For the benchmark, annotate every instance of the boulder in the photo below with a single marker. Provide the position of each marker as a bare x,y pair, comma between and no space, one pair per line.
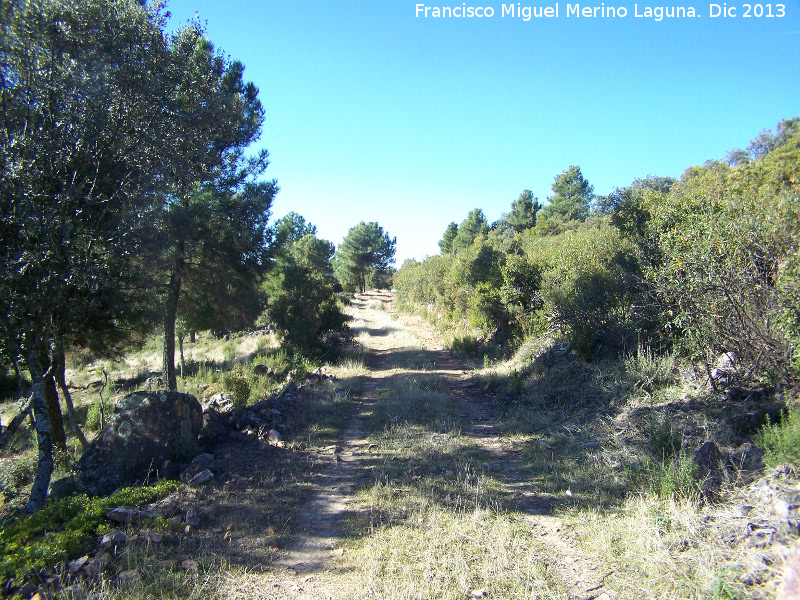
149,429
708,459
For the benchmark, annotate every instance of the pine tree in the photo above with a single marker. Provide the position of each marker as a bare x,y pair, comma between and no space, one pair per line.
366,248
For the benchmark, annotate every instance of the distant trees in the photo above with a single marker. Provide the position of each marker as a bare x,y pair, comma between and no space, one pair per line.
366,253
473,226
446,243
703,265
459,237
523,212
301,288
572,197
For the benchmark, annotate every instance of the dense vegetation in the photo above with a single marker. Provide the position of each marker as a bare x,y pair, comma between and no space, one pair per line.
701,266
130,203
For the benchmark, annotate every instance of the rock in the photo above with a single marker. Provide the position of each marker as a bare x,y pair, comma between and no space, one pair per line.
190,565
153,537
126,514
260,370
481,593
151,428
76,565
201,478
274,436
131,576
192,518
200,464
97,566
747,457
215,428
790,587
28,590
61,488
726,361
290,389
114,537
708,458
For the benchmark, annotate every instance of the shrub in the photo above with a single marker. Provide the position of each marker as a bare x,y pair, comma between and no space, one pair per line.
781,440
647,370
588,285
664,439
726,276
93,414
63,529
235,382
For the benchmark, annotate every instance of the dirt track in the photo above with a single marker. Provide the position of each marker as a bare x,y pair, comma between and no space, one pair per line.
308,567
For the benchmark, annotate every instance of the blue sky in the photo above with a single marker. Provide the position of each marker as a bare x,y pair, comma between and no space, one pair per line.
374,114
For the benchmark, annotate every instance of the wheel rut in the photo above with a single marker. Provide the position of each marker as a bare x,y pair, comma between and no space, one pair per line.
310,560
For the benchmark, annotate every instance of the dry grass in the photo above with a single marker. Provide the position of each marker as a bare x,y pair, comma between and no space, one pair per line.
441,553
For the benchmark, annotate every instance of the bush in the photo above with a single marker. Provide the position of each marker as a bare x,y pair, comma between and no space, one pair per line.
647,370
781,440
726,277
589,285
63,530
235,382
93,414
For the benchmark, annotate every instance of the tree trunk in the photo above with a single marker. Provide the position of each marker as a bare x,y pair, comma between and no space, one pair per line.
58,434
180,345
170,314
44,468
59,368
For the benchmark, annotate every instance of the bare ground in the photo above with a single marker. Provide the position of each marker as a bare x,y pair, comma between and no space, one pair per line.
307,568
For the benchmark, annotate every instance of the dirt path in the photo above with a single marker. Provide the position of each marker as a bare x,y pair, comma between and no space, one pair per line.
308,567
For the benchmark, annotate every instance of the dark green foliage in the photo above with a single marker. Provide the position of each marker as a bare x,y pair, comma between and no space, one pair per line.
693,268
213,240
781,440
85,145
572,197
446,243
302,292
64,529
237,384
366,248
474,226
523,212
727,238
290,228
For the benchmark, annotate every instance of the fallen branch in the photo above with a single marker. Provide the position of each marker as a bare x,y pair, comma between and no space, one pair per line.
9,431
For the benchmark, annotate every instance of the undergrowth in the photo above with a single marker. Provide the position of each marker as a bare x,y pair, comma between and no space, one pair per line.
781,440
63,529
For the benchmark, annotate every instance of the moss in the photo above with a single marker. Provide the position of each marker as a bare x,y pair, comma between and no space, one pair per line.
64,529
